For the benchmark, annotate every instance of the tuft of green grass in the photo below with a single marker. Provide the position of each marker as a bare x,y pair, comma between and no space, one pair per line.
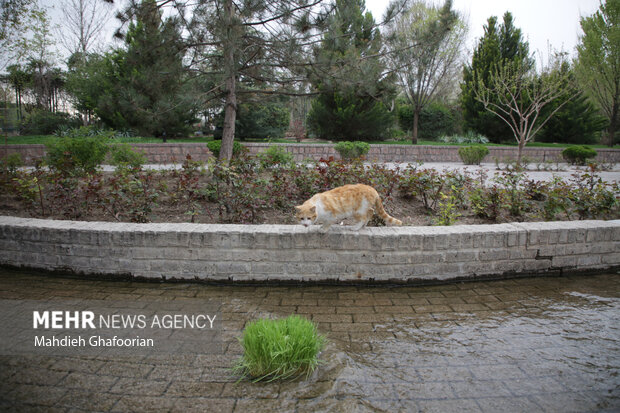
279,349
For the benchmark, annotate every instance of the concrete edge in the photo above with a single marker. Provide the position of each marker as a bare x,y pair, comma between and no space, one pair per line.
260,254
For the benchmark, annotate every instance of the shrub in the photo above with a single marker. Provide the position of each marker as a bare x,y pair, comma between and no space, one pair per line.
473,155
511,185
447,213
424,183
124,156
76,156
468,137
352,150
577,155
435,120
67,131
341,116
10,164
275,155
486,202
257,121
43,122
279,349
590,195
261,121
215,146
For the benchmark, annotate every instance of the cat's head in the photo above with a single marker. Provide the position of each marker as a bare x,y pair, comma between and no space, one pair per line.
306,214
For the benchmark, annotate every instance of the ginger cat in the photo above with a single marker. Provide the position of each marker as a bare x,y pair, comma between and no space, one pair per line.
359,202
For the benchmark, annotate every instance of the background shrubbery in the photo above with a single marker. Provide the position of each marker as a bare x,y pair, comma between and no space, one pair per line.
43,122
436,120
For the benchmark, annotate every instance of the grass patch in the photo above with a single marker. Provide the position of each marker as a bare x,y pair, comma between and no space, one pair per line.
279,349
44,139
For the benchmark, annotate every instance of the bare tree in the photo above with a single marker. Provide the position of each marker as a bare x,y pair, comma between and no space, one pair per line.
84,22
426,49
518,95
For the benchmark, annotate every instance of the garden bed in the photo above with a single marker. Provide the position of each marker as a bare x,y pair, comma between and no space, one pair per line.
255,190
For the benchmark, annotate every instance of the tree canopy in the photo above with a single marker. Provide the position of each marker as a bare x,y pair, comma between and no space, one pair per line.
349,78
598,62
500,45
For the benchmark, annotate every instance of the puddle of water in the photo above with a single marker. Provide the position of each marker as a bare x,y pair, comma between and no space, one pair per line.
514,345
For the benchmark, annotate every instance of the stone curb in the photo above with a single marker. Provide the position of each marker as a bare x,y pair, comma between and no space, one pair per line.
289,253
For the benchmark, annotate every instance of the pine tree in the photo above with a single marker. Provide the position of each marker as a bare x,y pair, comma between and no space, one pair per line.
149,89
249,48
499,46
352,86
578,121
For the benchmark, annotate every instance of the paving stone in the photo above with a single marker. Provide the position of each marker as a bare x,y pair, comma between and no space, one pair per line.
537,344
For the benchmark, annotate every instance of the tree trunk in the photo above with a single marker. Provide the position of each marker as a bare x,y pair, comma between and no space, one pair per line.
230,109
613,125
414,131
230,114
520,152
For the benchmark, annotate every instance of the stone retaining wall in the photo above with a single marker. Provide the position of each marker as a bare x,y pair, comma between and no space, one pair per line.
292,253
156,153
165,153
429,153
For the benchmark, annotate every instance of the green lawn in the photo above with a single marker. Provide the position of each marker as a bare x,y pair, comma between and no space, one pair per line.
42,139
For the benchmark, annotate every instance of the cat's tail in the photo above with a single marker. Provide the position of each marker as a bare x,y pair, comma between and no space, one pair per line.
381,212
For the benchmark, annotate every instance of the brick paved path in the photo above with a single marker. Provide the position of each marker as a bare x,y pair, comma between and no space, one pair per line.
545,344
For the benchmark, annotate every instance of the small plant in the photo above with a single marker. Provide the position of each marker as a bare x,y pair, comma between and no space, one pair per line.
28,188
279,349
352,150
468,137
473,155
215,146
557,200
424,183
9,166
10,163
189,192
486,202
578,155
447,211
514,195
275,156
590,195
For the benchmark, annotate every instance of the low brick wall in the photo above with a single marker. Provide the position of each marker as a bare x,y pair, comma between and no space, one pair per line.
156,153
166,153
292,253
428,153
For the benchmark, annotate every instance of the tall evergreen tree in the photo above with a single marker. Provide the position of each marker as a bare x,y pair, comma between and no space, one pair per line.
578,121
249,48
499,46
148,84
352,85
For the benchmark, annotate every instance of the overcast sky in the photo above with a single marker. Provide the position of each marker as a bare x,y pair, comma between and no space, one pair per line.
542,22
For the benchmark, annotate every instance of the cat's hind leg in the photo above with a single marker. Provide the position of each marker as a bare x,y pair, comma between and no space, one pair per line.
359,225
325,227
361,222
